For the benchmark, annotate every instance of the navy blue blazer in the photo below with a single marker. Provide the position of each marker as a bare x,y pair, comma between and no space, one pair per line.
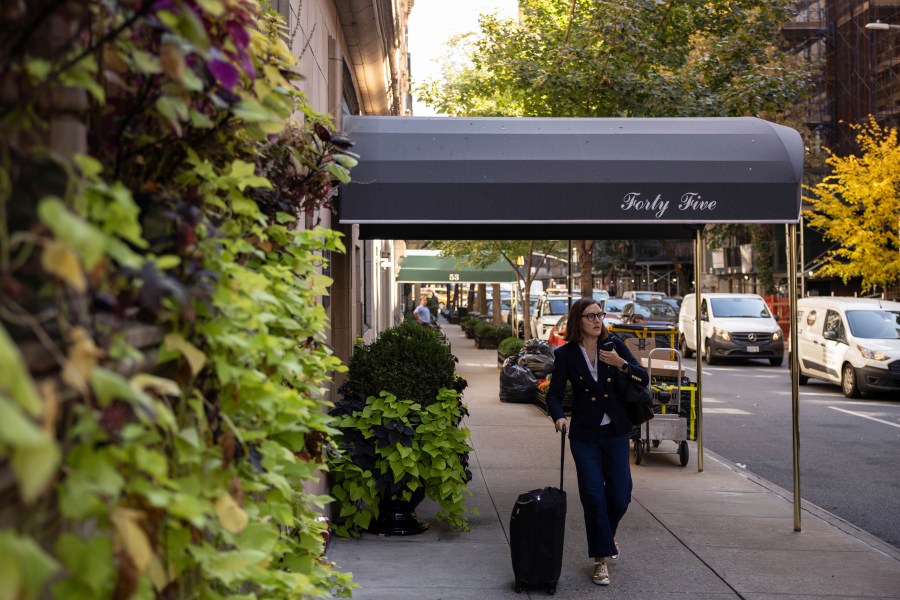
591,399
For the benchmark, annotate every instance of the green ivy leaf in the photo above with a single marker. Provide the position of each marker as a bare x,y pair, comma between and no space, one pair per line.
73,230
30,567
16,430
145,62
252,111
38,68
35,467
89,560
14,378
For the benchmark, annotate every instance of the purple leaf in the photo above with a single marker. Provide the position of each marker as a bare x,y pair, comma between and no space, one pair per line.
224,72
239,35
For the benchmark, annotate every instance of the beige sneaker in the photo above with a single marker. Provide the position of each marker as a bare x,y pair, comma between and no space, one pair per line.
601,573
616,555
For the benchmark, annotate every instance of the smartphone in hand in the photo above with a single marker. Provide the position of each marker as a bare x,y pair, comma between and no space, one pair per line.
608,346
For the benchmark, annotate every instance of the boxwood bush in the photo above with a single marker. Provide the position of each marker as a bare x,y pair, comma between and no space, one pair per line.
409,361
486,329
510,346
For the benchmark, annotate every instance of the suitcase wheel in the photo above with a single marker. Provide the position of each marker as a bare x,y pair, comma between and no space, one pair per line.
519,588
551,591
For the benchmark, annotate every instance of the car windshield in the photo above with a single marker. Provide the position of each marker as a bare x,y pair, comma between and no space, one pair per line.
615,305
874,324
558,306
746,308
656,309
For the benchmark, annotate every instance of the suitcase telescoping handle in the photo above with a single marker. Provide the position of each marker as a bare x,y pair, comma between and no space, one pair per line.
562,457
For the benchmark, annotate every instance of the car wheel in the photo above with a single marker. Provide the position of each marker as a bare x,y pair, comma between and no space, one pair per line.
848,381
777,361
685,351
708,354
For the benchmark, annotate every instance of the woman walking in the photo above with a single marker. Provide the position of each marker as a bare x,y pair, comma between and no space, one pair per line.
591,360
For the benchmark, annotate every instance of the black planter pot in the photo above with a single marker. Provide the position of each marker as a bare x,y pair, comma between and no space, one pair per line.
398,517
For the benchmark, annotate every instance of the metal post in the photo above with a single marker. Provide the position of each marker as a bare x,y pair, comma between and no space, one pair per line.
698,332
569,275
795,372
802,252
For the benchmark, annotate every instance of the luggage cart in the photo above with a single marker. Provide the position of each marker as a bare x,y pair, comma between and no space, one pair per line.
667,422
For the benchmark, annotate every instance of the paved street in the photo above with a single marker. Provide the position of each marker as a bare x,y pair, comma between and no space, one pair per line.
849,448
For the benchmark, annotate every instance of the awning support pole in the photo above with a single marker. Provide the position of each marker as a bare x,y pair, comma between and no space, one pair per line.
795,369
698,335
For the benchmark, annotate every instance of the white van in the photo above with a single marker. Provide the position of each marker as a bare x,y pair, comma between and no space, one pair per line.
854,342
732,326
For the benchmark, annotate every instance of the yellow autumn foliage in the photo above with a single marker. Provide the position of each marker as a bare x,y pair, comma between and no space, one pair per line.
858,206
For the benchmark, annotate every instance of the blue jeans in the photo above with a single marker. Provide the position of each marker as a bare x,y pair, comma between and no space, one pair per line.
604,485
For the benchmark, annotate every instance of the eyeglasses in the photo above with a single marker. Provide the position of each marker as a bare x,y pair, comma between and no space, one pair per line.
593,317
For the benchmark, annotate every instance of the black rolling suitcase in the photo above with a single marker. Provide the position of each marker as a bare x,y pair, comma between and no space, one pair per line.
536,533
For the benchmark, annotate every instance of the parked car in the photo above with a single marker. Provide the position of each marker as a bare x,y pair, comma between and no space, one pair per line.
613,308
643,295
557,336
504,309
732,326
672,301
853,342
550,307
520,317
655,312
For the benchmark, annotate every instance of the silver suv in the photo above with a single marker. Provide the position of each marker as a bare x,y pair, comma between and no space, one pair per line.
550,307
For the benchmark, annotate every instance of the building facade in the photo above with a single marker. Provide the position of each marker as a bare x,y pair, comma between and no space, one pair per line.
354,60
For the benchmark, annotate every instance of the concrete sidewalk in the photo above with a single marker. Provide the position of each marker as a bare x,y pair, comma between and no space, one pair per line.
722,533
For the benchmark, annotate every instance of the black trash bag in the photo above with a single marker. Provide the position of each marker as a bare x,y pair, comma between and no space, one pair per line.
539,364
536,346
517,384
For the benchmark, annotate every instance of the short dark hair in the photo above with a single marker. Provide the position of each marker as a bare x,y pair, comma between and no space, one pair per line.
573,324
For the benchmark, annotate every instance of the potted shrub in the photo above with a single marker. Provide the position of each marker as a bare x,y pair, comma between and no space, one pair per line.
509,346
468,323
488,336
400,438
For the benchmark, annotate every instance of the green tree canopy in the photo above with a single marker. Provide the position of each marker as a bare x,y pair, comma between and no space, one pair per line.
858,206
631,58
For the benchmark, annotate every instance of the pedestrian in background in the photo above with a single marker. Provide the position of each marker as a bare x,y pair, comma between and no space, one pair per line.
422,313
591,360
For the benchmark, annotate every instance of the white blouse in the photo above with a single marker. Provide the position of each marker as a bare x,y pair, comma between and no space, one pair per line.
593,369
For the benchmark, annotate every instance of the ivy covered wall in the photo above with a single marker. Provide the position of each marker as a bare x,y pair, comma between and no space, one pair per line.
164,374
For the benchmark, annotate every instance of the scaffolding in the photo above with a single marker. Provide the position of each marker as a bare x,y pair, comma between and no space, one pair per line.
863,67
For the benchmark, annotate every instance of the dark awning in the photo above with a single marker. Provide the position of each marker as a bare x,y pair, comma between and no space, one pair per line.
426,266
553,178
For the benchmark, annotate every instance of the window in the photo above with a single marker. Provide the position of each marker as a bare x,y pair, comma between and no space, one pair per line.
834,324
873,324
746,308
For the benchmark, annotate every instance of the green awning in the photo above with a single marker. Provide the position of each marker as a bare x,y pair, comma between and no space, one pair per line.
426,266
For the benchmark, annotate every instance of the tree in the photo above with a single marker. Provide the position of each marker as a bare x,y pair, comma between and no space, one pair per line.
481,253
630,58
585,250
858,206
633,58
